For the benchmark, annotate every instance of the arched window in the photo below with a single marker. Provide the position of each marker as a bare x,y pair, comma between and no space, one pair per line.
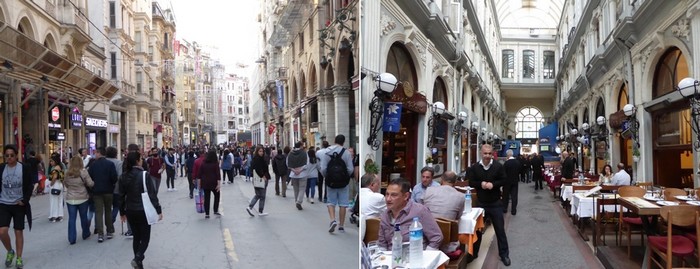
622,97
667,73
528,122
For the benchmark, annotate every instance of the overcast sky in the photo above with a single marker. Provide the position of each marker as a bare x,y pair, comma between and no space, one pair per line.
229,25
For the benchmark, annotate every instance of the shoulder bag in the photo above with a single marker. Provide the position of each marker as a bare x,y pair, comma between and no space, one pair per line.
258,182
148,209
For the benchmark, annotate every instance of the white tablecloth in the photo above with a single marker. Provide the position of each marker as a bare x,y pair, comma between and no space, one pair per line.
566,192
467,223
431,259
585,207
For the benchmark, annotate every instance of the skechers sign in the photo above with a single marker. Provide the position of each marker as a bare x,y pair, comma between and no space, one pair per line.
93,122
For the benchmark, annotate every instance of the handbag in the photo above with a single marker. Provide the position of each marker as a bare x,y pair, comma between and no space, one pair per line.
55,192
148,209
258,182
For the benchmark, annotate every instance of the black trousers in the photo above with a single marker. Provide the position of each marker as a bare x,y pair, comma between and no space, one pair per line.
494,211
189,180
321,187
170,177
537,177
142,233
510,192
207,200
225,173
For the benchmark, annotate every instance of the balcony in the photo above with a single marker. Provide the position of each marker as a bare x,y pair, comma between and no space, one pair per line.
290,15
142,98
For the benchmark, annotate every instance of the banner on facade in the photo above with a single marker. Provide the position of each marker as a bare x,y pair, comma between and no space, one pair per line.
392,117
280,94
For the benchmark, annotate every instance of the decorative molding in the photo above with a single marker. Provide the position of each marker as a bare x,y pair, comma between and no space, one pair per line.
421,53
681,29
387,24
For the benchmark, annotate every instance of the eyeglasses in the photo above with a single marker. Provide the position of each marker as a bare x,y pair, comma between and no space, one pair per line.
9,155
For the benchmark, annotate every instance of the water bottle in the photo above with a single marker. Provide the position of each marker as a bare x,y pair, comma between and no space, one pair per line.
468,202
580,178
416,244
396,251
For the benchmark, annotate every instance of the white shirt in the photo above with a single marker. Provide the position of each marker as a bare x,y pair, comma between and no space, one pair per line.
621,178
373,204
86,160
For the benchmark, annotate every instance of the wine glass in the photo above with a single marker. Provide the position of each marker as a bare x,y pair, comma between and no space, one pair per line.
663,196
687,190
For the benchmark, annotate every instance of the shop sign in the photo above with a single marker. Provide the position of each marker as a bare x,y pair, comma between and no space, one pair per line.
61,136
392,117
54,125
76,119
113,128
55,114
94,122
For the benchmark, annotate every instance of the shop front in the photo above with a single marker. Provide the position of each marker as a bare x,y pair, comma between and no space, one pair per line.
56,132
95,132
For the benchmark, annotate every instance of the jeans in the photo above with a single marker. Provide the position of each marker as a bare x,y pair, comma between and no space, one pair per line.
299,185
170,177
311,187
115,211
282,178
156,182
207,200
182,169
235,170
259,196
73,211
142,233
103,210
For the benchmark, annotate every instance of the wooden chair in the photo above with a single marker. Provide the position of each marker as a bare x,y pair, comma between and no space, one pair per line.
604,219
450,233
671,193
646,185
372,230
669,245
630,224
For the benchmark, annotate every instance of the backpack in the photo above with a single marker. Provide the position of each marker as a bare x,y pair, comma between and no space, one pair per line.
337,175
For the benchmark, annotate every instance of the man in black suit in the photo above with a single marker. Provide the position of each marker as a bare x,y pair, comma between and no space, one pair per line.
568,165
523,170
537,166
510,189
487,176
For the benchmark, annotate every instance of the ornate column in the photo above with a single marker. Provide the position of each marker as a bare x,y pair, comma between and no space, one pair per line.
341,97
327,109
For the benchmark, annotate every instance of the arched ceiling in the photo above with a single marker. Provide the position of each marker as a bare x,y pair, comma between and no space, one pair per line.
529,13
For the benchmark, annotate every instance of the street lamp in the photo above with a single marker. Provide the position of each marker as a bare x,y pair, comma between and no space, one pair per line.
438,112
386,83
458,128
688,88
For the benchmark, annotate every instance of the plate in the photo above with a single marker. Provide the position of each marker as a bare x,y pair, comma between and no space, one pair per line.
684,198
651,198
667,203
694,203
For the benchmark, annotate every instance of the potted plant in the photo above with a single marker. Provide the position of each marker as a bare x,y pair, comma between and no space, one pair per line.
429,160
635,155
371,167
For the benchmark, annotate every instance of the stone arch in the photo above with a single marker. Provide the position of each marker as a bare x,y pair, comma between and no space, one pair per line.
50,42
656,54
313,81
440,92
411,49
70,53
26,27
346,62
301,87
330,78
291,92
2,12
669,70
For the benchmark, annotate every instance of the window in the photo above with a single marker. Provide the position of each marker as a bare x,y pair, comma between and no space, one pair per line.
240,111
528,122
166,41
137,40
528,64
113,64
150,88
112,15
508,64
139,78
548,66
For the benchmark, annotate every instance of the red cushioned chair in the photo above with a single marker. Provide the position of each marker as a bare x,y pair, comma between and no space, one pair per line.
667,246
630,224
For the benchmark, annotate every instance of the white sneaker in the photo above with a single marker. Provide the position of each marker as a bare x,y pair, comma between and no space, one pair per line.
262,214
174,189
311,200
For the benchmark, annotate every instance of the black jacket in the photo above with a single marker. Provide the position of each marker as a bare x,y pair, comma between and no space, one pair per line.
104,173
495,175
259,165
130,189
537,165
567,168
512,167
279,165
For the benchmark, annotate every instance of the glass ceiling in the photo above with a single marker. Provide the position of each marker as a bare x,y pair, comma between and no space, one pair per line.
530,17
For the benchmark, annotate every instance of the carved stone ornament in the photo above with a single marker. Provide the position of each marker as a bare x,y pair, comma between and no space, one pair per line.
681,29
388,24
421,53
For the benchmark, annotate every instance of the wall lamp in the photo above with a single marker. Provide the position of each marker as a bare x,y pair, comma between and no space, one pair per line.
633,127
386,83
688,88
457,129
438,109
602,130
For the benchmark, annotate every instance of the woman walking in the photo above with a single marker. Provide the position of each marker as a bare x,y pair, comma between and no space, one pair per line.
249,162
227,166
76,185
130,189
261,170
236,164
56,186
210,182
312,167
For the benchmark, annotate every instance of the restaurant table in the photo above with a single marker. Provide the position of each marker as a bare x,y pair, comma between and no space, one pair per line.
585,207
432,259
469,224
641,207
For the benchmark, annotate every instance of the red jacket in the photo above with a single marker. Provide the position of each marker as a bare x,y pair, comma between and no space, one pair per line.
154,166
197,164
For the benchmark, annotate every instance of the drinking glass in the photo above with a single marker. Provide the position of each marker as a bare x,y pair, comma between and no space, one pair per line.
687,190
663,196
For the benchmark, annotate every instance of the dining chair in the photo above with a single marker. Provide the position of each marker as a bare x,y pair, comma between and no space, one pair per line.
605,218
371,230
630,224
671,193
450,233
645,185
667,246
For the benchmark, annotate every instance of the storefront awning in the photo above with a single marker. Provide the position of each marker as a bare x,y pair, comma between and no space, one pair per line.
28,61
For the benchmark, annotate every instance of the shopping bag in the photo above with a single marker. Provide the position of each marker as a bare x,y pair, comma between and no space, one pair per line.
148,209
199,199
258,182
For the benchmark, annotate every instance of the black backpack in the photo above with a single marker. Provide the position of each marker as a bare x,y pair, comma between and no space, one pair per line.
337,175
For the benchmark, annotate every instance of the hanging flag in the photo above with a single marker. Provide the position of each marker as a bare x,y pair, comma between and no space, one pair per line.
392,117
280,93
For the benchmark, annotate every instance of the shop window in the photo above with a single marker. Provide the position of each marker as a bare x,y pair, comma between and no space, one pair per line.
508,64
528,64
548,66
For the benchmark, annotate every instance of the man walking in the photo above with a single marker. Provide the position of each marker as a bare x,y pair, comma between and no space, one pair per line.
155,167
279,167
337,180
537,169
510,189
170,163
104,174
487,177
15,191
298,172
